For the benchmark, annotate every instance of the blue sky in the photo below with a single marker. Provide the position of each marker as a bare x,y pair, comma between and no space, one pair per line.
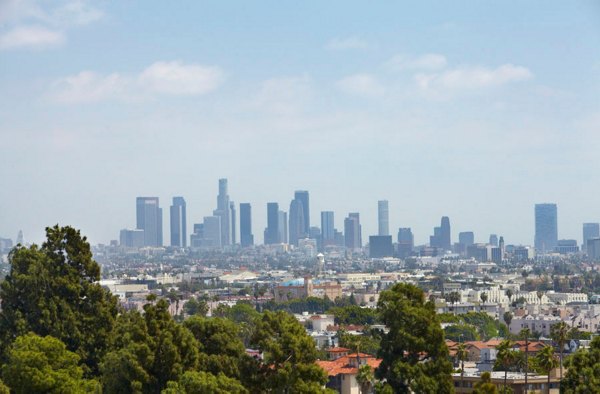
475,110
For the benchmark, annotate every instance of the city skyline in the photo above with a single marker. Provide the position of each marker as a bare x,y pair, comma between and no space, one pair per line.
406,102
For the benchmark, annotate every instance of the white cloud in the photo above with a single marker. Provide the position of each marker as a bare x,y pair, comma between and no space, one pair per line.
365,85
172,78
31,37
340,44
469,78
428,61
180,79
37,24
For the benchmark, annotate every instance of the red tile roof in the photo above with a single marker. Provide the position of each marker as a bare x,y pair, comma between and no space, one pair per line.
343,364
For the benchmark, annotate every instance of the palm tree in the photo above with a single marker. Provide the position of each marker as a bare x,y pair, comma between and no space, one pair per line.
505,357
560,333
507,318
461,355
509,294
546,361
526,333
365,377
484,297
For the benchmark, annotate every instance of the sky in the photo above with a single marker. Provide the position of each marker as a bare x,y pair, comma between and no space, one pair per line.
474,110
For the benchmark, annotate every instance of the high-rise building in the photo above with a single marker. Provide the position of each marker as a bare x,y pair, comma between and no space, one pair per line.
467,238
383,217
445,234
493,240
380,246
246,237
593,248
546,227
131,238
302,196
282,227
406,242
20,238
223,212
233,221
352,231
149,219
590,230
272,230
297,227
178,223
327,228
212,234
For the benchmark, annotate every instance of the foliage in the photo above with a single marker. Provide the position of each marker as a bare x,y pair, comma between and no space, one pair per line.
365,378
368,342
461,332
583,370
289,356
195,307
485,385
193,382
354,314
44,365
53,290
414,354
546,360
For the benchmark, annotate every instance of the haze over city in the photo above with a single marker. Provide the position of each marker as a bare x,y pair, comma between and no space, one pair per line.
476,112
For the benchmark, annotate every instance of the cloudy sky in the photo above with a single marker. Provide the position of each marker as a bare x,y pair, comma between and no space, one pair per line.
475,110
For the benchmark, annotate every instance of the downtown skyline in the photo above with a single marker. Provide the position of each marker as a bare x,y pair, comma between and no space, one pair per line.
472,111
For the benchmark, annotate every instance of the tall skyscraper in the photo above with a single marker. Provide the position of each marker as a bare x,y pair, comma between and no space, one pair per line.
282,226
246,237
353,231
445,233
327,228
149,219
302,196
212,233
466,238
590,230
222,211
272,230
233,221
546,227
493,240
383,217
178,223
406,242
297,226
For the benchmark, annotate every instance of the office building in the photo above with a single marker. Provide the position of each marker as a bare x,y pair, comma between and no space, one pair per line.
233,217
566,246
383,217
406,242
380,246
149,219
272,231
441,235
302,196
178,223
327,228
590,230
353,231
593,248
297,227
131,238
6,244
546,227
223,212
493,240
207,235
282,228
246,237
467,238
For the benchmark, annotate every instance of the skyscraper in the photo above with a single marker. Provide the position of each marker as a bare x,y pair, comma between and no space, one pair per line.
297,226
272,230
406,242
546,227
327,228
233,221
178,223
353,231
149,219
222,211
493,240
445,233
466,238
246,237
590,230
383,217
282,226
302,196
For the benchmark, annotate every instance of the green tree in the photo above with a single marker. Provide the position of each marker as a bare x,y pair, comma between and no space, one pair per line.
461,356
365,378
509,294
414,354
559,333
193,382
508,316
485,385
484,297
44,365
53,290
505,357
289,356
221,349
195,307
546,361
583,370
466,332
